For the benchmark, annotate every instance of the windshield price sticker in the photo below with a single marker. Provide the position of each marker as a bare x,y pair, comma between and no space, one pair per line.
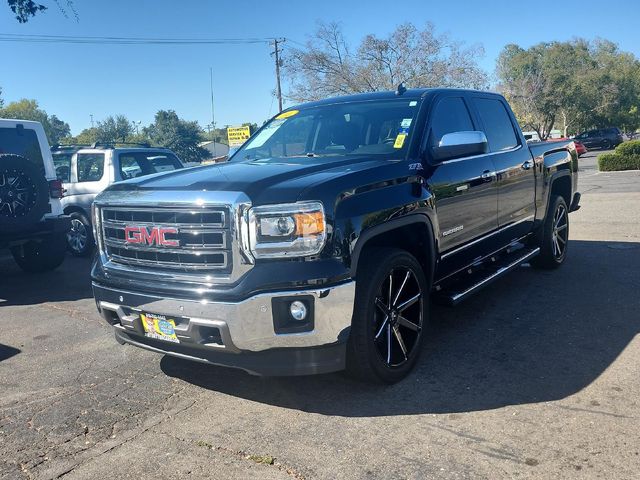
400,140
406,122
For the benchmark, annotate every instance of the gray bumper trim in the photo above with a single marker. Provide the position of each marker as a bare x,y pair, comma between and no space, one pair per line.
243,326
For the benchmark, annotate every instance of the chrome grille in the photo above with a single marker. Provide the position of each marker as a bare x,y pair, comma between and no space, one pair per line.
203,237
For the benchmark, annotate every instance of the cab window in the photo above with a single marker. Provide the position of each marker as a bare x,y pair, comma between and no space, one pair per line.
497,124
450,115
138,164
90,167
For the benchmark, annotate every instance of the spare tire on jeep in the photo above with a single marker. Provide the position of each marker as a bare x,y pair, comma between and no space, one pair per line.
24,193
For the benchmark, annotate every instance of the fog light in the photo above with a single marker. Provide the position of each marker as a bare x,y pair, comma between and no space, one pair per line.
298,310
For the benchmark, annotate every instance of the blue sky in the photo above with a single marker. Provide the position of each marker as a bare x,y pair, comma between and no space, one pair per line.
74,81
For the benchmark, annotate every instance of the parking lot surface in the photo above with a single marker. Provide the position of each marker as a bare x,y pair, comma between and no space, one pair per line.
535,377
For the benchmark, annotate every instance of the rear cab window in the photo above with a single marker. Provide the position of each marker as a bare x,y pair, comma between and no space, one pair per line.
24,142
497,124
138,164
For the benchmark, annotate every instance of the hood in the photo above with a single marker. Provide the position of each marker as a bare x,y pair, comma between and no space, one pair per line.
264,181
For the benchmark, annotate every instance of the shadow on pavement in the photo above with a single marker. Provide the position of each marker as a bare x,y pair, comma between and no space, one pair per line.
533,336
70,281
7,352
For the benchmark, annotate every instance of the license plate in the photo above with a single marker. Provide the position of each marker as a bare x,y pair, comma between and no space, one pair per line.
159,327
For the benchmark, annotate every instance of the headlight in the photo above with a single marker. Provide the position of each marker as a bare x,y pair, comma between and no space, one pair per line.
287,230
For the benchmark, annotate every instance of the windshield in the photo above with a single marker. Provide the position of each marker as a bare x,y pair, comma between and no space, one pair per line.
381,128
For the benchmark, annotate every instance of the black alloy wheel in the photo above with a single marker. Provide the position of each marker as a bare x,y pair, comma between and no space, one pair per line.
390,316
560,234
398,319
553,238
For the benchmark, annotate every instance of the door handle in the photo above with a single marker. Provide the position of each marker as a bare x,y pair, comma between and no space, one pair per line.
487,175
527,165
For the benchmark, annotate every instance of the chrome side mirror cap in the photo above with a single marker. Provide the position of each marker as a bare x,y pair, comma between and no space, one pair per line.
460,144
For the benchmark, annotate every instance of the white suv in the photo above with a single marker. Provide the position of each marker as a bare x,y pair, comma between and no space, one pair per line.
32,223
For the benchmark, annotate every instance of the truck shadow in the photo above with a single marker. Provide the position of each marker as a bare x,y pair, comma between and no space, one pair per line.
68,282
7,352
533,336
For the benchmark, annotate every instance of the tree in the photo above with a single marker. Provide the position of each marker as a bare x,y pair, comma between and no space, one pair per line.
181,136
24,10
328,66
26,109
88,136
1,100
573,85
114,129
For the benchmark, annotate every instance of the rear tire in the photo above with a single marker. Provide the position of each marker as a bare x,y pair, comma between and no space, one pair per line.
554,235
38,257
390,316
80,237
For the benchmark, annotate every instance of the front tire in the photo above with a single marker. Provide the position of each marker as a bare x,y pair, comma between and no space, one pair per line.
554,235
38,257
80,237
390,316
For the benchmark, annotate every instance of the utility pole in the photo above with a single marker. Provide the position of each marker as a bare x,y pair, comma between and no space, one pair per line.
213,117
276,54
91,115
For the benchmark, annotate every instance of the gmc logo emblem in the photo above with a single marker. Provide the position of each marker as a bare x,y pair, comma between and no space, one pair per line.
150,236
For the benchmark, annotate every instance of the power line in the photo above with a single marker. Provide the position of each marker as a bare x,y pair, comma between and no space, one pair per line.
24,38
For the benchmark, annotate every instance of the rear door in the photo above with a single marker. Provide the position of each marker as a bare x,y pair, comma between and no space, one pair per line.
514,165
465,188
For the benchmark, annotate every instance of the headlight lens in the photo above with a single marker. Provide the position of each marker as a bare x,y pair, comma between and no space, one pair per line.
287,230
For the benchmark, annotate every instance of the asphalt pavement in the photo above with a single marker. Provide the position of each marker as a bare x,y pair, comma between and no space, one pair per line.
535,377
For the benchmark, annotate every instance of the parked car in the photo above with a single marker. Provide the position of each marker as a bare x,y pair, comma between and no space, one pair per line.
87,170
320,244
580,148
604,138
32,223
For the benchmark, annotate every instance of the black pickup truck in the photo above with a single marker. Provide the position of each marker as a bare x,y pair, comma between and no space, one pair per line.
319,245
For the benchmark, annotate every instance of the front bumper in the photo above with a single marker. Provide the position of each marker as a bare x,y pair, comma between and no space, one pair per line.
246,334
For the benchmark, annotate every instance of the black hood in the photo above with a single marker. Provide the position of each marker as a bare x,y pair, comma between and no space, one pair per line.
273,177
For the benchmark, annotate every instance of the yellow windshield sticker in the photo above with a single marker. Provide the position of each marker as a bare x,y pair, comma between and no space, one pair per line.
400,140
287,114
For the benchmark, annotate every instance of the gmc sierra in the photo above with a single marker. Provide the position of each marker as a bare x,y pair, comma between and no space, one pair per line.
319,245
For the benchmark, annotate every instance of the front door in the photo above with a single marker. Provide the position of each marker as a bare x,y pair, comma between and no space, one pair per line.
465,188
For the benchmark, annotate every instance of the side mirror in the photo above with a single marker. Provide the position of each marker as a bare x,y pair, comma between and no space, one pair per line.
460,144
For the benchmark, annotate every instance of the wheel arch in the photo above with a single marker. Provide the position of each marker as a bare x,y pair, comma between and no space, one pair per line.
413,233
68,210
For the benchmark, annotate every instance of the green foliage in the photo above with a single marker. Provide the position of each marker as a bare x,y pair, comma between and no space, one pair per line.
1,100
25,9
608,162
26,109
575,85
629,148
181,136
114,129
